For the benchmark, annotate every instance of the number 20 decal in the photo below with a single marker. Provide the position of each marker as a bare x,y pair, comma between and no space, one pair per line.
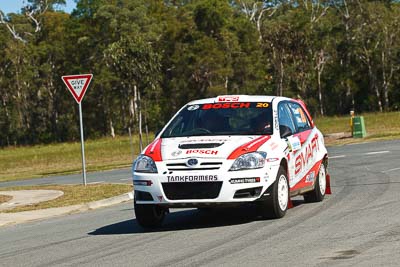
262,105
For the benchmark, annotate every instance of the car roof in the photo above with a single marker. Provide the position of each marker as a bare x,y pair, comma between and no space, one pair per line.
238,98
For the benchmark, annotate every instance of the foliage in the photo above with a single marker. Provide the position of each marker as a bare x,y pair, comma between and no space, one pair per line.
337,55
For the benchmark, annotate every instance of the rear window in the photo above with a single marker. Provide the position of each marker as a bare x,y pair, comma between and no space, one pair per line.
231,118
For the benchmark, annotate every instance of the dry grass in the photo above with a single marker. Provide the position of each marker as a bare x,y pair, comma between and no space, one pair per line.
73,194
376,124
4,198
18,163
379,126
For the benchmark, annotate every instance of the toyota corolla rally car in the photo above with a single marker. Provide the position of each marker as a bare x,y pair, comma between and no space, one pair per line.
231,150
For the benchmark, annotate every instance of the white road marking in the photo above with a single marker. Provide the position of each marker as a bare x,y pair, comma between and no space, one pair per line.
337,157
96,182
127,179
390,170
377,152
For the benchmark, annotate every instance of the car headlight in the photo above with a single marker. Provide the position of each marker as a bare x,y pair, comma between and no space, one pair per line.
144,164
254,160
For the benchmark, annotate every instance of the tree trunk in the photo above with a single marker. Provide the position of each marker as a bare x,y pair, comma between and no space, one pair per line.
112,131
373,87
321,105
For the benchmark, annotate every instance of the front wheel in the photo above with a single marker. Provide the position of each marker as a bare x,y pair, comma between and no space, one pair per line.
277,204
149,215
318,194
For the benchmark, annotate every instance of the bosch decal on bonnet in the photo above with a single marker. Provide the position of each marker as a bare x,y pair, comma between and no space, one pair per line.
231,150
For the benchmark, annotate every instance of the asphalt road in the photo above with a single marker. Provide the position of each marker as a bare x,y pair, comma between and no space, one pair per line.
359,224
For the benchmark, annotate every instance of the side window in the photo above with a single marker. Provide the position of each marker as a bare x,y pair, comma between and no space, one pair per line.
300,117
285,118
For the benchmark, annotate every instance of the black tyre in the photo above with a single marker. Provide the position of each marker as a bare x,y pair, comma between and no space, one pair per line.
318,194
149,215
276,205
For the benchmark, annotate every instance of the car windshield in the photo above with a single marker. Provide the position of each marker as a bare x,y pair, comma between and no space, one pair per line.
234,118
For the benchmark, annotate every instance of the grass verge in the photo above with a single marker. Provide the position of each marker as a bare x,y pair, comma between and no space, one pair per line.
73,194
4,198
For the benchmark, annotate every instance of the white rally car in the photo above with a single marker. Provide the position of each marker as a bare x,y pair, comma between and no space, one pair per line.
231,150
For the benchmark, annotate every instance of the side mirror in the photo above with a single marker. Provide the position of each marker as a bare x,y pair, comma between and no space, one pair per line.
285,131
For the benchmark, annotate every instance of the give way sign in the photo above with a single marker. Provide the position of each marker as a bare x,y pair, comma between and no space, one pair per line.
77,85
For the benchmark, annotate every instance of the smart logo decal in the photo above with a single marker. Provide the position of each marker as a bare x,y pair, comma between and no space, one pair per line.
306,157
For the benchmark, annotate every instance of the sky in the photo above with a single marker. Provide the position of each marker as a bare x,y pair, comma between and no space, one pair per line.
14,6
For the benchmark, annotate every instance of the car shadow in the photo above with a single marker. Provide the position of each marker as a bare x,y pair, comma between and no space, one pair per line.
187,219
179,220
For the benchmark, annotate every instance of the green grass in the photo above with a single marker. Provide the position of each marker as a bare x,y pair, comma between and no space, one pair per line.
73,194
4,198
46,160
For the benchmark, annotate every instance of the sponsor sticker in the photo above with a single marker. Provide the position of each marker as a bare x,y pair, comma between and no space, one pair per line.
272,159
202,151
228,98
310,177
273,146
244,180
176,153
262,105
226,105
191,178
193,107
235,105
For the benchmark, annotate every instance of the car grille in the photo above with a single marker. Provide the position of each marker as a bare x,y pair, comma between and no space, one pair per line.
194,190
201,167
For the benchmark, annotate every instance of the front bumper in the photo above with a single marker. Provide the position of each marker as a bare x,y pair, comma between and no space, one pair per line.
184,188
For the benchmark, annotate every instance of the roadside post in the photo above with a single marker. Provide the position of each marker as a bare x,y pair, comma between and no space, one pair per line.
351,122
77,85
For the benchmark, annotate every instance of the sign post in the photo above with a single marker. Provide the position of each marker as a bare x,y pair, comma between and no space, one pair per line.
77,85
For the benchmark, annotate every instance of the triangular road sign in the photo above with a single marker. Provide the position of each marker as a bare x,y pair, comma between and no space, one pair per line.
77,85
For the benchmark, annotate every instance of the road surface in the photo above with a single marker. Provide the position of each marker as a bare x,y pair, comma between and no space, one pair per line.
358,225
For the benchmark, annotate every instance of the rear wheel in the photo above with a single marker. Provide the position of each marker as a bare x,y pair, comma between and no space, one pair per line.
149,215
318,194
276,205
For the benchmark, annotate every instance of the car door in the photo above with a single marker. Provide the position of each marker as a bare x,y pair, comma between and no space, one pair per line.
304,157
286,123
